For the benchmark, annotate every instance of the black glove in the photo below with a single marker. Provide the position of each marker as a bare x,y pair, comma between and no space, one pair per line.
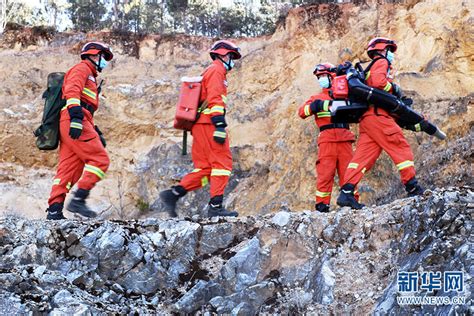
220,135
102,139
318,106
219,121
342,68
76,115
220,124
397,91
75,129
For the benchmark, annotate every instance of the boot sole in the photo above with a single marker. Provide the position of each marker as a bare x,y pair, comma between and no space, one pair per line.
89,215
350,205
214,215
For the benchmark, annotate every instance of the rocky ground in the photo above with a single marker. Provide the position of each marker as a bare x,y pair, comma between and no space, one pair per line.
344,262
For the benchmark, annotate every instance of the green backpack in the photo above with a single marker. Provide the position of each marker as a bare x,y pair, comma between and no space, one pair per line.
47,134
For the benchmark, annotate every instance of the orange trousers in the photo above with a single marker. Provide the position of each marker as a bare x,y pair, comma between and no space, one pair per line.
212,161
84,157
377,132
332,156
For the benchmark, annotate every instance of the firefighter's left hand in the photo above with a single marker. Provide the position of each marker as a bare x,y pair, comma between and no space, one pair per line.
220,135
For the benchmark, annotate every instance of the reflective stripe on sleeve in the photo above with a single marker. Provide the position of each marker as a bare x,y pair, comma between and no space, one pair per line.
217,109
204,181
387,87
353,165
323,114
89,93
307,110
73,101
326,105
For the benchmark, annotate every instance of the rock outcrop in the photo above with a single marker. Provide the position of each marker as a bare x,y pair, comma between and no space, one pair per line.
274,151
285,263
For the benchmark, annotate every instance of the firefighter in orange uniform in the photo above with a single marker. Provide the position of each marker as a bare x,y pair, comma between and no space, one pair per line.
334,141
378,130
82,155
210,150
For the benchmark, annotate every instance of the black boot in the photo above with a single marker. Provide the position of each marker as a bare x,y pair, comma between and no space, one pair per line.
55,211
347,198
78,204
170,198
323,208
413,188
216,208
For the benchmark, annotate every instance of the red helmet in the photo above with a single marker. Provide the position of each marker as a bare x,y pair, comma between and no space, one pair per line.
380,43
94,48
324,68
223,48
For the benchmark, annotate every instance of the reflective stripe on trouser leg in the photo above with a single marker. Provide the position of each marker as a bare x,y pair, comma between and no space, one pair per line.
219,180
344,157
69,171
89,150
389,137
366,153
325,171
196,179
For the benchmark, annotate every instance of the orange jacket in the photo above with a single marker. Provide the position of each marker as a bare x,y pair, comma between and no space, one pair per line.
323,118
80,84
213,92
379,77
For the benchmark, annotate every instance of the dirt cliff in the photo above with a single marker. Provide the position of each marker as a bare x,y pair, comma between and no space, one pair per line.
274,150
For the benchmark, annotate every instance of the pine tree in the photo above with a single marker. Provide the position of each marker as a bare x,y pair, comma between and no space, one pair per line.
86,15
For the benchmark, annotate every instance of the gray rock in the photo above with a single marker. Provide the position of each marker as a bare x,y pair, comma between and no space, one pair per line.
63,297
39,271
254,296
215,237
242,309
198,296
325,282
145,279
12,305
281,218
450,196
242,269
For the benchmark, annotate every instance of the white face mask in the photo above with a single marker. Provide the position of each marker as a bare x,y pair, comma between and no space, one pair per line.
324,82
390,56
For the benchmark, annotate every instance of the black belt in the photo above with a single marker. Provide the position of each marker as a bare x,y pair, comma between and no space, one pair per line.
334,125
88,107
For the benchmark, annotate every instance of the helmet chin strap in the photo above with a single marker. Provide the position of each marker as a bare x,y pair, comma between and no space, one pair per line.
226,63
99,69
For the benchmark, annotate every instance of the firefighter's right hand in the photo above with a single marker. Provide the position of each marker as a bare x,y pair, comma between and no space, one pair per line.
220,135
75,129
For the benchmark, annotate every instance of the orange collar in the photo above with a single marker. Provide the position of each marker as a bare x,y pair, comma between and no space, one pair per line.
91,66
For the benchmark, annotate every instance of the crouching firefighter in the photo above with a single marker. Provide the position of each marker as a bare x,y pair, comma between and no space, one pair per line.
210,150
334,141
82,155
378,130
